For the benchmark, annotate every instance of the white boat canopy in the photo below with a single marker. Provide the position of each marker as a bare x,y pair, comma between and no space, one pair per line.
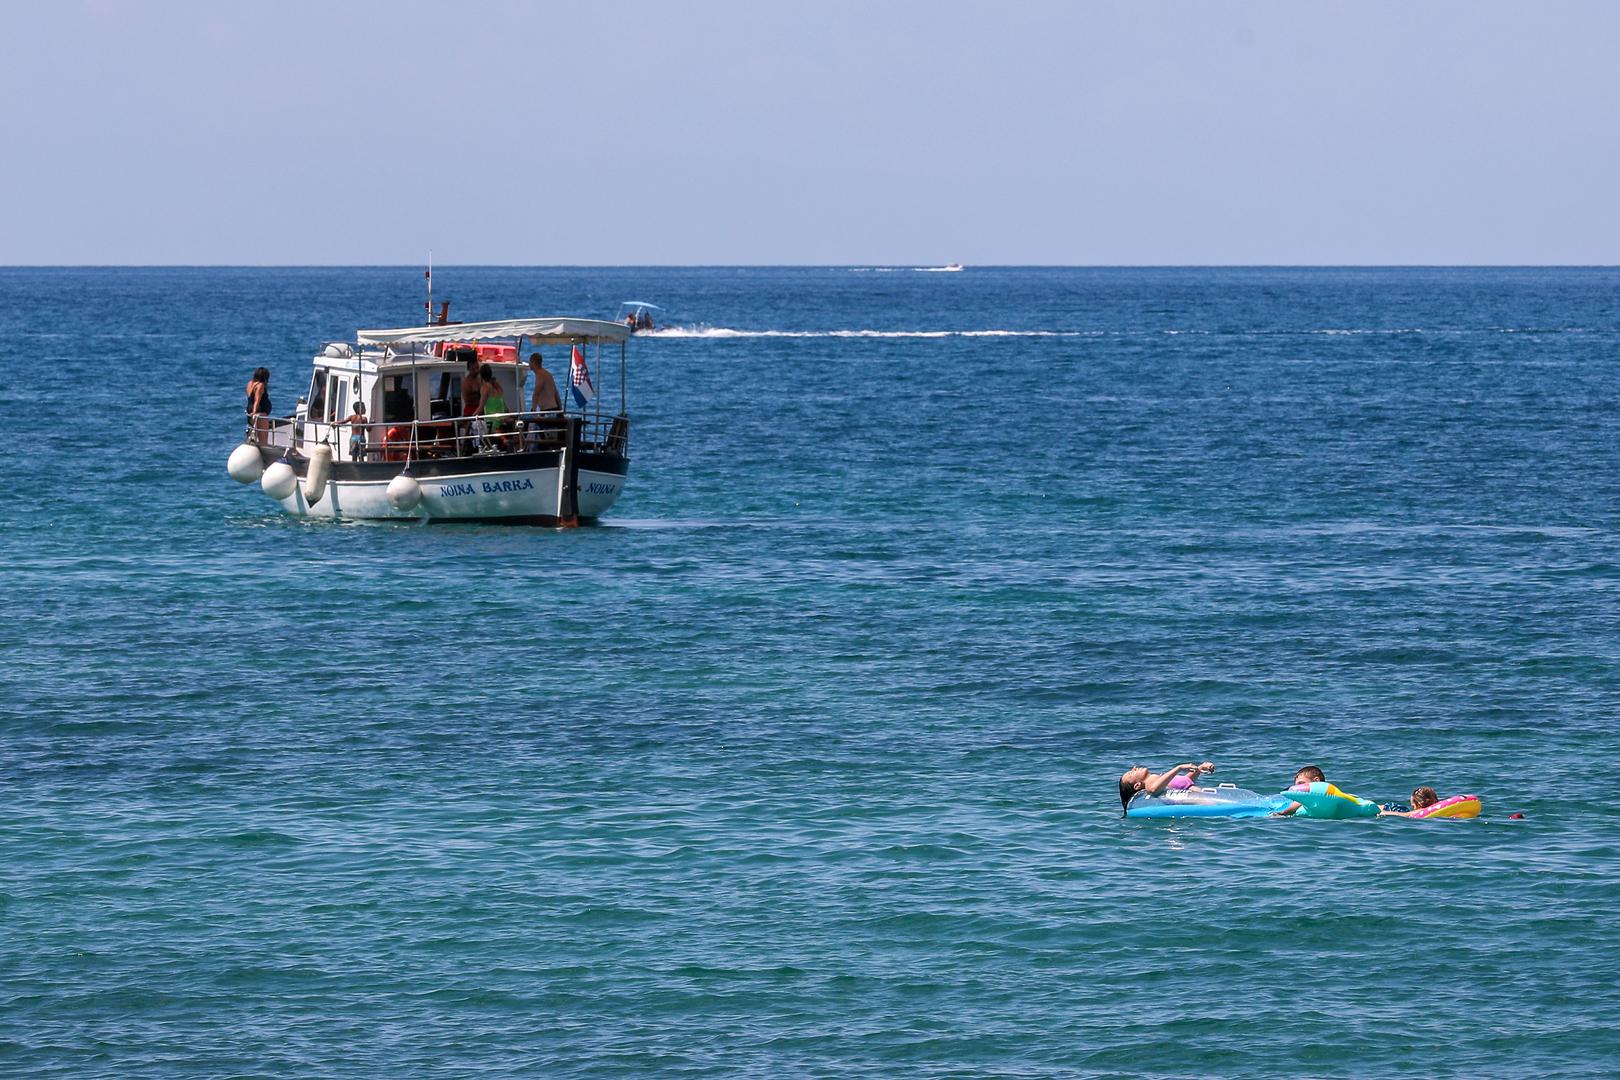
552,331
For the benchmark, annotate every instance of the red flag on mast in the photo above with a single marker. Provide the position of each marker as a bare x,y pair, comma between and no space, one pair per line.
579,379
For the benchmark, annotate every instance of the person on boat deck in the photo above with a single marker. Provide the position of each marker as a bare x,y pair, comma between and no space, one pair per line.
1422,798
545,397
472,402
357,432
472,388
258,398
494,402
1308,774
1141,778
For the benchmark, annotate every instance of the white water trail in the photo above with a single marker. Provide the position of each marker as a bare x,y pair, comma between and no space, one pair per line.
728,332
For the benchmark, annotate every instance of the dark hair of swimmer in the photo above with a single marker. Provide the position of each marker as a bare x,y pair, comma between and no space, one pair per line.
1424,796
1131,781
1309,774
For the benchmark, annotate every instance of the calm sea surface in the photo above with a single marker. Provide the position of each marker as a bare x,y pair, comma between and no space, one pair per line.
803,761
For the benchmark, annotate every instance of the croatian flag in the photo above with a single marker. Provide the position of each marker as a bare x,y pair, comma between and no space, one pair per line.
579,379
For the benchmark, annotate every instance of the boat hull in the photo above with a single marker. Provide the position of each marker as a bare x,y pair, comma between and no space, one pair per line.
525,488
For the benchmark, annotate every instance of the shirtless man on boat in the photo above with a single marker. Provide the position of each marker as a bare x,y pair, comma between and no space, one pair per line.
545,397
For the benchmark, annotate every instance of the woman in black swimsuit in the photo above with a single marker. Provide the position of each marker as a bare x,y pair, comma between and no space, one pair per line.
258,398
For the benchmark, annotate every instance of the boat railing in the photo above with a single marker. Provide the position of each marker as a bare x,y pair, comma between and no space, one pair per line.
454,437
272,431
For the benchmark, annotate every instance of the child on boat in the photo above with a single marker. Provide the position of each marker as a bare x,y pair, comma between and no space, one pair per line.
357,432
1141,778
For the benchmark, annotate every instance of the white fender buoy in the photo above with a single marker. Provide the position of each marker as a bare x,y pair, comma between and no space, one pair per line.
320,471
404,493
246,464
279,480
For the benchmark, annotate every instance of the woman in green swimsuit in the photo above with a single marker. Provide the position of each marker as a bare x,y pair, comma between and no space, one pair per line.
494,403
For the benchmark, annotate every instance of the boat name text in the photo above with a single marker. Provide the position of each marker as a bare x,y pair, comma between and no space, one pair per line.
491,487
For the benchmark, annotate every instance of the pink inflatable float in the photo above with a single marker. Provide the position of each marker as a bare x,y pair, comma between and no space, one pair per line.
1458,806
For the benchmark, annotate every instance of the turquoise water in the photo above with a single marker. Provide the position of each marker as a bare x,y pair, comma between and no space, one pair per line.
803,762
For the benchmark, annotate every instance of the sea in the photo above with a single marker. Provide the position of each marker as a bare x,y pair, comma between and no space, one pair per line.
803,761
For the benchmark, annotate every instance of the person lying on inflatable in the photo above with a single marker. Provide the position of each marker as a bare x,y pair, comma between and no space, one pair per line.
1141,778
1427,803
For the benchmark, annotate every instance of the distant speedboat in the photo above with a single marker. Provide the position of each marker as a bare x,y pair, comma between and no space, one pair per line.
637,315
953,267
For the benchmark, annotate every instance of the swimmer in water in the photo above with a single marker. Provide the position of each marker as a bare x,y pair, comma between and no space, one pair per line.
1422,798
1141,778
1308,774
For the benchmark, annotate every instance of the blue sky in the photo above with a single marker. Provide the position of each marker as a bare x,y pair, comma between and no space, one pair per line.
1139,132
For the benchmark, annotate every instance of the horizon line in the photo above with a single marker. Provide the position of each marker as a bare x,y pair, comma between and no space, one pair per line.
816,266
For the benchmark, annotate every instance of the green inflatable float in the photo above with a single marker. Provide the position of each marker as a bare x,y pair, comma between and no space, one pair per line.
1321,800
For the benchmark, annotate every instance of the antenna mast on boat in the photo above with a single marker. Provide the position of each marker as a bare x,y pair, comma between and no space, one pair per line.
429,304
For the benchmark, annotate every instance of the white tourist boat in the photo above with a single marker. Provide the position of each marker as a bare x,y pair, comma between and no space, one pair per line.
419,458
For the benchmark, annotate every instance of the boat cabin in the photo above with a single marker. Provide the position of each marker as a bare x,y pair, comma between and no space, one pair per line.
410,385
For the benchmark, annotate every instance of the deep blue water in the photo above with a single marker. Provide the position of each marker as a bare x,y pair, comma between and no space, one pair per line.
803,762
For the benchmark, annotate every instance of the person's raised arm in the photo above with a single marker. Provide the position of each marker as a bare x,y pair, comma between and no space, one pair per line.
1155,783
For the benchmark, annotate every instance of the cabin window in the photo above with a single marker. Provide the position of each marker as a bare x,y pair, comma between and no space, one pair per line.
317,395
447,398
332,410
398,403
341,400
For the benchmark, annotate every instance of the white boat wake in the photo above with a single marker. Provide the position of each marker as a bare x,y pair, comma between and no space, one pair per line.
728,332
715,332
